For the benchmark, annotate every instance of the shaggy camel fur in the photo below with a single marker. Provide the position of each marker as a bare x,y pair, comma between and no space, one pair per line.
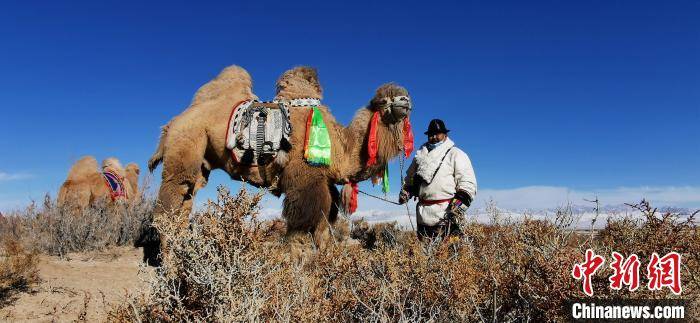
86,186
193,143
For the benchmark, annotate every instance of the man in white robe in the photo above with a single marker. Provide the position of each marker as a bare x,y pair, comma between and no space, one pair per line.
441,177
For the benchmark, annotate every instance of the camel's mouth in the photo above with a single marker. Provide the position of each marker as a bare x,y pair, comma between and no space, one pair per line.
398,108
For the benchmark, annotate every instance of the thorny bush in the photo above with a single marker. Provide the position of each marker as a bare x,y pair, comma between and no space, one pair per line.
57,230
226,265
17,269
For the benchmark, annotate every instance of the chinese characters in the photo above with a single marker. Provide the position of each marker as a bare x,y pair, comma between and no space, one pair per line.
661,271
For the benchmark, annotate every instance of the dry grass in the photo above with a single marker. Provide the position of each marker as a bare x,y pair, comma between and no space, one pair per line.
18,269
228,266
55,230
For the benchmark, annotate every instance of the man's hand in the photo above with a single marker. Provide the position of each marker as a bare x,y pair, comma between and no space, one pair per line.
404,196
464,197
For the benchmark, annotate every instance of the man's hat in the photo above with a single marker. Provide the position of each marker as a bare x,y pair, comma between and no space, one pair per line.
436,126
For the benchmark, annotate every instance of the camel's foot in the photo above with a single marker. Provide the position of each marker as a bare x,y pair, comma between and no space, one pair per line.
299,246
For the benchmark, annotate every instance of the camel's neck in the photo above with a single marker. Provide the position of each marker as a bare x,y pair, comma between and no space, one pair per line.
389,140
133,182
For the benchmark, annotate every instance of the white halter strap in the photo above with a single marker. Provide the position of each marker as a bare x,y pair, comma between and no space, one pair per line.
300,102
392,99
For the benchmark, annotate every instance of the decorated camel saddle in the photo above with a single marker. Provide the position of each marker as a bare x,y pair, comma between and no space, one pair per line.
258,131
115,183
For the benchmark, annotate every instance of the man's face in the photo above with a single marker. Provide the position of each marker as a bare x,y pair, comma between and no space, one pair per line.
436,137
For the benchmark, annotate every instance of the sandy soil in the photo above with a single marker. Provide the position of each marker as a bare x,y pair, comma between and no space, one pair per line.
82,287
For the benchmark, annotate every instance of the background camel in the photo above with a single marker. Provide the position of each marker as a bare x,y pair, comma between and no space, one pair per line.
193,143
131,176
86,186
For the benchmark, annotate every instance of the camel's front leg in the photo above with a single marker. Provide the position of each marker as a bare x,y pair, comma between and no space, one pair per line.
307,209
182,171
182,176
202,180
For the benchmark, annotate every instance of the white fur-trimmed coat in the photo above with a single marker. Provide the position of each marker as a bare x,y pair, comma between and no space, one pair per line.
456,173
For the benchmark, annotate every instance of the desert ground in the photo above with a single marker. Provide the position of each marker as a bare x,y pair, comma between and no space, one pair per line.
81,287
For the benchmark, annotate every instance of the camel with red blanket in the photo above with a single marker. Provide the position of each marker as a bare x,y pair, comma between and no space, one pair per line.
88,184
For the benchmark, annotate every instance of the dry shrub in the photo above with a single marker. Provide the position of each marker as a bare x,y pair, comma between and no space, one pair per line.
659,233
18,269
225,265
59,230
56,230
372,236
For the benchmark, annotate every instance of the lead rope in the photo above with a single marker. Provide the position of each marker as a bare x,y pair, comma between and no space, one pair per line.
402,161
378,197
401,165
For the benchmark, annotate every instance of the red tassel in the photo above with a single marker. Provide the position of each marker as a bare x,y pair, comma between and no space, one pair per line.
308,131
372,144
353,197
407,137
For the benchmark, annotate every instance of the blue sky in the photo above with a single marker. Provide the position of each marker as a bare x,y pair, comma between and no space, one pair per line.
589,96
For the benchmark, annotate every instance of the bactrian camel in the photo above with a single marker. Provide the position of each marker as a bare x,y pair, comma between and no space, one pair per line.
86,185
193,144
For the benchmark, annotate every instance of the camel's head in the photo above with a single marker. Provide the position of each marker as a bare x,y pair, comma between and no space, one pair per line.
299,82
133,169
393,102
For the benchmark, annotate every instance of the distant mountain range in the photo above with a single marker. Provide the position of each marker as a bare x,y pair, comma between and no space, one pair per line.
618,209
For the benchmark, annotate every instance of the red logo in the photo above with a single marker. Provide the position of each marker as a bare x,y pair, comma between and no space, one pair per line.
625,272
665,272
586,269
661,271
